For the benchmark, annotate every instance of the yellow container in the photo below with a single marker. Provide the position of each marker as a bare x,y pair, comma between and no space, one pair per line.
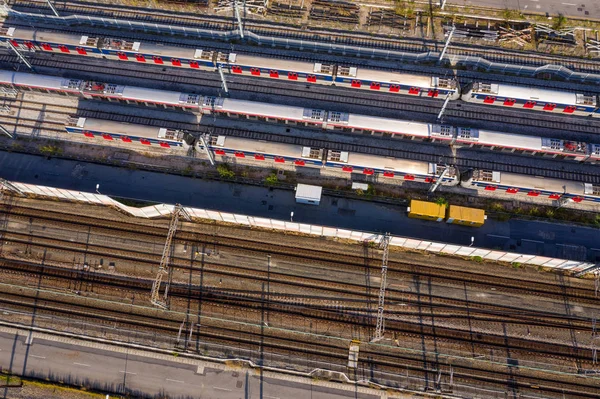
426,210
465,216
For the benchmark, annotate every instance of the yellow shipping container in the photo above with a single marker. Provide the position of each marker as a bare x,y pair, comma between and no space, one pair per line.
426,210
466,216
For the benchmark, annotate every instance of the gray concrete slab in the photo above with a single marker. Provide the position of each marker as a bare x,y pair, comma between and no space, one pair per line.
556,239
138,376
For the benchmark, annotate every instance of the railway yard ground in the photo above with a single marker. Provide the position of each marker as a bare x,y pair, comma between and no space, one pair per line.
246,294
202,117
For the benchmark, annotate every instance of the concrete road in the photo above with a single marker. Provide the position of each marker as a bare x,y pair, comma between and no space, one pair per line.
579,8
529,237
146,377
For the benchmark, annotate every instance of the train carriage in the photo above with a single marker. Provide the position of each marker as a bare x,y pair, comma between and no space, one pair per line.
259,150
161,54
40,82
394,82
531,98
535,186
300,71
126,132
54,42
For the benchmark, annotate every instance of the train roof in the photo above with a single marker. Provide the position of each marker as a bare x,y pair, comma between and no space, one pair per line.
75,39
388,163
166,50
389,125
534,94
39,81
263,109
261,147
155,96
394,77
280,64
126,129
541,183
509,140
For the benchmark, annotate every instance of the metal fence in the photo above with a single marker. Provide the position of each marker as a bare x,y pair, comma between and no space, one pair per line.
353,50
164,210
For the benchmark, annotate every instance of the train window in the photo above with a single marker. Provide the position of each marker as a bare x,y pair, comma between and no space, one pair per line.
311,78
292,76
81,50
140,58
157,59
529,104
433,93
569,109
509,102
489,100
64,48
549,107
274,73
29,45
395,88
255,71
414,90
375,85
46,47
175,62
355,83
122,56
194,64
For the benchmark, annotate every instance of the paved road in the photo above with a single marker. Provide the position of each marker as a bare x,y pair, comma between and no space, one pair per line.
143,377
548,239
579,8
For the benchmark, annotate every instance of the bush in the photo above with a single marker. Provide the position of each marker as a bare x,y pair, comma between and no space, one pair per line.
225,171
271,180
50,150
477,259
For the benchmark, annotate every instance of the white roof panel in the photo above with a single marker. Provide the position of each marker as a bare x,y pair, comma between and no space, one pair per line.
143,94
488,137
32,80
394,77
389,125
536,94
263,109
306,191
165,50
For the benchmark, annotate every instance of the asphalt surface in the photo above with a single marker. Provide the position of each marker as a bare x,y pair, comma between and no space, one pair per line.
571,8
522,236
144,377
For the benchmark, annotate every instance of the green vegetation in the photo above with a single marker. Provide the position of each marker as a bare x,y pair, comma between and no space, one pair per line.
405,8
225,171
271,180
559,22
477,259
52,150
441,201
511,15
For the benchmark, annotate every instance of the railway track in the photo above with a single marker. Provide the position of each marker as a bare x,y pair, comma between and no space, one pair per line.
494,54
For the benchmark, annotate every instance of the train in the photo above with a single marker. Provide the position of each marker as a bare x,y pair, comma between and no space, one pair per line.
227,148
315,118
182,56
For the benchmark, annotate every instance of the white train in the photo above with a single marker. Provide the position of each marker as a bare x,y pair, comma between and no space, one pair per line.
318,118
224,147
528,98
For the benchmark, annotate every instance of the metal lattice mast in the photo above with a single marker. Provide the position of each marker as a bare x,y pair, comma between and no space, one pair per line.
163,269
380,328
20,55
